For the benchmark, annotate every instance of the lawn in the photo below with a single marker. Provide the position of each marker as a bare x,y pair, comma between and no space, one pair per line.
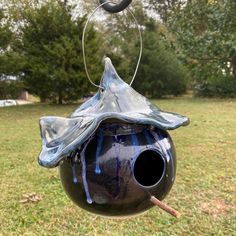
204,191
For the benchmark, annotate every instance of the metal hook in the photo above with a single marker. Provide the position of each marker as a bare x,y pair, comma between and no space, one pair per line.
115,8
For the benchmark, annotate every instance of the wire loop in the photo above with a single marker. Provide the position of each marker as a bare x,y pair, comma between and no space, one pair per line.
83,44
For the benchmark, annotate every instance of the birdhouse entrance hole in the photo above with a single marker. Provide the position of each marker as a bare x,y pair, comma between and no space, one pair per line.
149,168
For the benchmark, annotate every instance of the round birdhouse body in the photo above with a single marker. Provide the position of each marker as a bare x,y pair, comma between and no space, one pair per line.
119,168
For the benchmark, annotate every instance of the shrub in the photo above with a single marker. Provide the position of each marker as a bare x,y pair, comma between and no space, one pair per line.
160,73
10,89
217,87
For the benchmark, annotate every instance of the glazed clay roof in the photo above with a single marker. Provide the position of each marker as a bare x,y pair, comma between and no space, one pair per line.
117,100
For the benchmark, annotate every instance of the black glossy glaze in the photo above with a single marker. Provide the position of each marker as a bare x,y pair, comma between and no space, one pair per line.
115,8
113,163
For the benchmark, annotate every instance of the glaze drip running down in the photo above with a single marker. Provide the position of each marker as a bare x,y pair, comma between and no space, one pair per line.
86,188
98,152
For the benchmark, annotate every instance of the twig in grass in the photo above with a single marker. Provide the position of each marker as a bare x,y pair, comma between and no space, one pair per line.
164,207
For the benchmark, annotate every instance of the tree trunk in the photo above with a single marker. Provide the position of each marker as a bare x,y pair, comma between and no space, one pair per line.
42,99
60,99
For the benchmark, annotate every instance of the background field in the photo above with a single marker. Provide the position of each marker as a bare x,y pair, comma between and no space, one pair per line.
204,191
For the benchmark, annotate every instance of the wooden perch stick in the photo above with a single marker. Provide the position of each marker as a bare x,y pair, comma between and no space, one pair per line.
164,207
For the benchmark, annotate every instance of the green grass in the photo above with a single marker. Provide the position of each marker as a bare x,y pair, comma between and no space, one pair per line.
204,191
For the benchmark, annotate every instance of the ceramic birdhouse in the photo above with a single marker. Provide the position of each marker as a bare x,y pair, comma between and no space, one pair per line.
114,151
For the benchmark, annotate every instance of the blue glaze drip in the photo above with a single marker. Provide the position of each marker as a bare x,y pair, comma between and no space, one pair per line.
82,156
118,165
169,154
147,136
75,179
98,151
135,144
73,157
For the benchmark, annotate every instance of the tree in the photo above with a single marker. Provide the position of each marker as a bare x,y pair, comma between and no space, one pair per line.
5,39
50,47
206,31
166,8
160,73
8,88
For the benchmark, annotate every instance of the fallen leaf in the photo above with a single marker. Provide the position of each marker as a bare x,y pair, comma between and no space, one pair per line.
30,198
